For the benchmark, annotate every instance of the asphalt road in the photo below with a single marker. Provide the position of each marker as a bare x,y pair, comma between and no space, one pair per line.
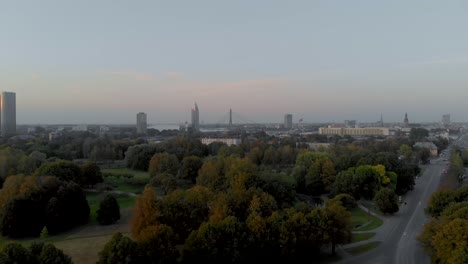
400,244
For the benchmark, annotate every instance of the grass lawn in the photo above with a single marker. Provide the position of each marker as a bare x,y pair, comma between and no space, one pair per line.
363,248
133,185
361,237
362,221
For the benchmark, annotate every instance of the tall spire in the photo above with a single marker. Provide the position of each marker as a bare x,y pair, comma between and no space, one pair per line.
406,121
381,120
230,117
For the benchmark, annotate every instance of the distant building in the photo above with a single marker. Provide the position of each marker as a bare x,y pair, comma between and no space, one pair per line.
350,123
446,120
317,146
406,121
141,123
54,135
8,114
196,118
362,131
428,145
227,141
80,128
288,121
104,129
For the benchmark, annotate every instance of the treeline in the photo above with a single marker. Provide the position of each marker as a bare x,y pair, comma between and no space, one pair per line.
51,199
229,217
445,237
36,253
28,204
76,145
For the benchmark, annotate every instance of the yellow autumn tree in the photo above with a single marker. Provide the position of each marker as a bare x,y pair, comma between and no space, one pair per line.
145,213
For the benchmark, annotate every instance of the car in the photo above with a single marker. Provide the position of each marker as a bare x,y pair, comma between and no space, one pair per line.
444,171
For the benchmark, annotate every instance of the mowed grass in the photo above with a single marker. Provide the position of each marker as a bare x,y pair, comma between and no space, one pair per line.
136,184
363,248
361,237
362,221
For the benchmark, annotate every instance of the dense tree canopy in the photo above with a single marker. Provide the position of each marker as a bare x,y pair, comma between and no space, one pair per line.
30,203
445,237
62,169
109,211
163,163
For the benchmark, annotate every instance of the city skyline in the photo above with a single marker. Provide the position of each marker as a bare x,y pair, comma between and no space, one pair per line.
319,60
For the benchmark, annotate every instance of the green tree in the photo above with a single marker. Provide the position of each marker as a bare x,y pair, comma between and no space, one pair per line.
52,255
109,211
338,224
367,181
451,242
439,201
64,170
119,249
418,134
406,151
386,200
345,183
347,201
221,242
91,173
166,181
15,253
190,167
163,163
212,175
44,233
185,210
158,245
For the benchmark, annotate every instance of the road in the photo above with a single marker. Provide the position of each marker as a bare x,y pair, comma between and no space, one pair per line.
399,244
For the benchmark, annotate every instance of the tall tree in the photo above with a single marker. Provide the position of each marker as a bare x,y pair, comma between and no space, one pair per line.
190,167
338,227
386,200
145,212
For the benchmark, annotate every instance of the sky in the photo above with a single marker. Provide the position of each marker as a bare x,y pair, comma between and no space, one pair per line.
104,61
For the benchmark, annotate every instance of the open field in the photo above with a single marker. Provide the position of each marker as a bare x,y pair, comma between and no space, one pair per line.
135,184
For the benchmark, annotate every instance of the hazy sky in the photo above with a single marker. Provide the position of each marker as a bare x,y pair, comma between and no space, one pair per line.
103,61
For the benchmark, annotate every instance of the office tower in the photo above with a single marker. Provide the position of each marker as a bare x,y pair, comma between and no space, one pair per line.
196,118
8,113
446,120
141,123
288,121
406,121
230,117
